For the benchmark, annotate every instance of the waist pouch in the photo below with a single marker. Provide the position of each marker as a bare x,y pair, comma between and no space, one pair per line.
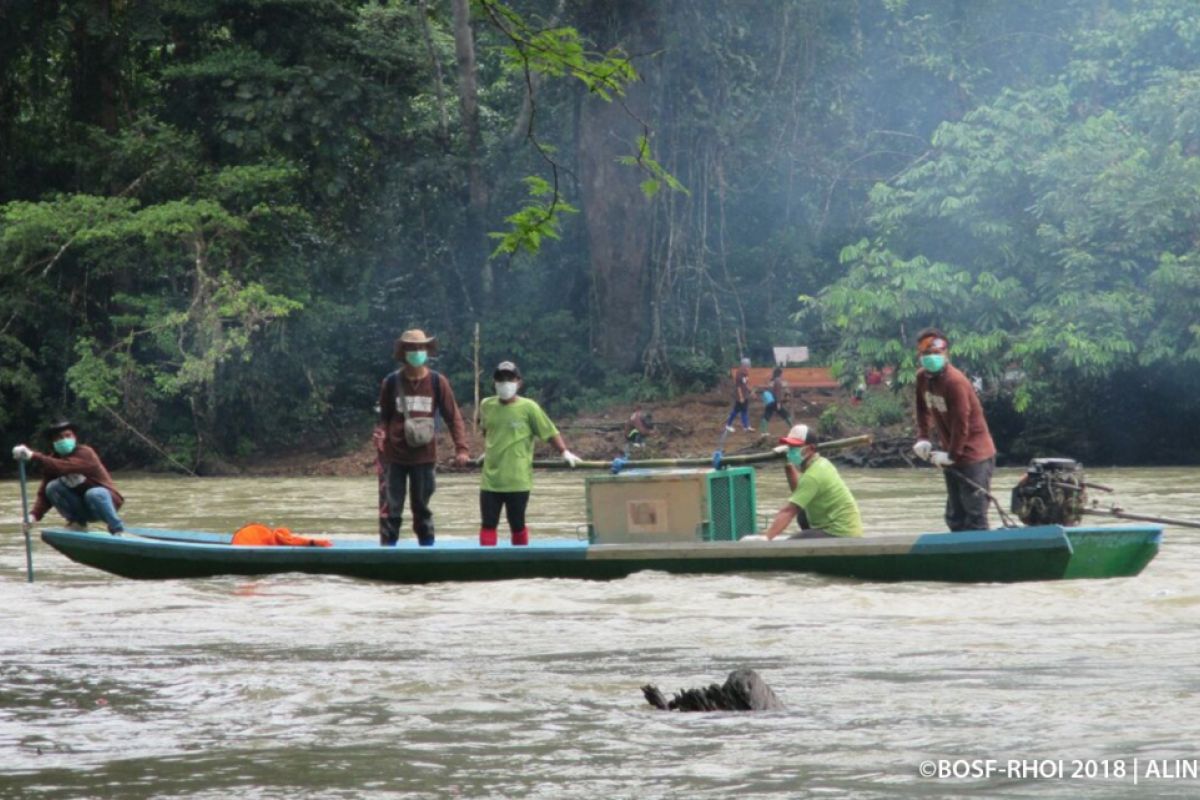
418,431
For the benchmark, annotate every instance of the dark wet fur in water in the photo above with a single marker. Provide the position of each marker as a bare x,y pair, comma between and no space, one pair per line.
744,690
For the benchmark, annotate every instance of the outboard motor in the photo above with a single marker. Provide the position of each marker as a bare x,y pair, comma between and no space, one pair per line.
1053,491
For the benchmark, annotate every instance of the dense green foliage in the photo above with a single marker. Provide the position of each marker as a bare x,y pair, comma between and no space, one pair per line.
215,215
1051,233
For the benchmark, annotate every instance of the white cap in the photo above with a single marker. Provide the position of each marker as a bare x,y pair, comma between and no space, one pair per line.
798,436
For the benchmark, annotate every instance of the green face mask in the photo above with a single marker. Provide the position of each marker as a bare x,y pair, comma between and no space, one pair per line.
795,456
64,447
416,358
933,362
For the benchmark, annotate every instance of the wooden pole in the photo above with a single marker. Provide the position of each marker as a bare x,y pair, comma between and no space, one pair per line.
475,416
25,524
733,461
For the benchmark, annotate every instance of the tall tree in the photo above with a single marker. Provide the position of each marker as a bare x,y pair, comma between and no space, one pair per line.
616,210
477,191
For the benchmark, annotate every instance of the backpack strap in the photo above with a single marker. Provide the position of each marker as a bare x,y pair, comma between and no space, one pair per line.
437,390
397,387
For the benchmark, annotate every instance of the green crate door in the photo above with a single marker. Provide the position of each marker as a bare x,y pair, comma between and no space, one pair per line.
720,510
732,504
745,504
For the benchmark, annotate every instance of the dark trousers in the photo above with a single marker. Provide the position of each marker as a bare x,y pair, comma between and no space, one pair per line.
773,409
806,530
966,506
416,481
514,504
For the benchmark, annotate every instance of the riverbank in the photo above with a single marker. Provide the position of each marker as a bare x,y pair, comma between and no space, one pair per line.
691,426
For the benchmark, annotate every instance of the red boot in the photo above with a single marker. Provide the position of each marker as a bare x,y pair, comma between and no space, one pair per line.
487,537
520,537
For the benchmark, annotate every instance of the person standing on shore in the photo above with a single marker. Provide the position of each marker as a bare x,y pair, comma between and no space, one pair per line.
510,424
741,397
948,405
775,398
409,398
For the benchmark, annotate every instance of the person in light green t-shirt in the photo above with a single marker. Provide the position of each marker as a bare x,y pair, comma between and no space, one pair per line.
820,500
510,425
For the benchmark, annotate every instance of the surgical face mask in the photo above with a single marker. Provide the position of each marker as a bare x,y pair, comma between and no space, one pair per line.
795,456
65,446
933,362
416,358
506,390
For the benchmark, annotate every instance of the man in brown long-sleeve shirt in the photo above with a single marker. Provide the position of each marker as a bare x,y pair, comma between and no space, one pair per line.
947,403
74,481
409,398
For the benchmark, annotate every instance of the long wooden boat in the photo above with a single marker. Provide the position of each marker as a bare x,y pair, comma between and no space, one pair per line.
1048,552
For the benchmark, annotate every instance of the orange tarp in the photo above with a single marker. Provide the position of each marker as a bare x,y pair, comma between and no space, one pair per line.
797,377
257,535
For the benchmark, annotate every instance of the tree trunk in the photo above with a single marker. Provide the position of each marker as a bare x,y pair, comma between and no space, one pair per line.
436,63
94,73
468,96
617,214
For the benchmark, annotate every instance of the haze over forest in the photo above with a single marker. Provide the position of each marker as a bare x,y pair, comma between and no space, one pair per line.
216,215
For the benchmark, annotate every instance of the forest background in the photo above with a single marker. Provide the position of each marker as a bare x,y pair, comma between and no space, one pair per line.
216,215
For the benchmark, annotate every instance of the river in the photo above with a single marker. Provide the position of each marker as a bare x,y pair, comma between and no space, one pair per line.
304,687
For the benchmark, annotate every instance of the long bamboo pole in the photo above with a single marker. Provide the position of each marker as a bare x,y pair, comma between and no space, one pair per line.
25,523
475,416
735,461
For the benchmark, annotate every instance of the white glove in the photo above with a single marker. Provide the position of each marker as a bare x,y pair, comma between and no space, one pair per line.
22,453
923,448
571,458
781,449
940,458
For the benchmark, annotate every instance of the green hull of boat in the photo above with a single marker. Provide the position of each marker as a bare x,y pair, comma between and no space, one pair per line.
1024,554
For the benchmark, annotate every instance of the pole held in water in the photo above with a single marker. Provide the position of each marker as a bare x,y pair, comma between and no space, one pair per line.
25,524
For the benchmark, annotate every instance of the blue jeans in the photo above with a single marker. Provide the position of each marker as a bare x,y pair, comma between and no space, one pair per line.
94,504
743,409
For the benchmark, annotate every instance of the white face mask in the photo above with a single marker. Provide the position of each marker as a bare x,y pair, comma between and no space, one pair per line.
506,390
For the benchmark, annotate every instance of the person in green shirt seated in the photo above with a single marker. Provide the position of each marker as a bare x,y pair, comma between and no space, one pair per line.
510,424
820,500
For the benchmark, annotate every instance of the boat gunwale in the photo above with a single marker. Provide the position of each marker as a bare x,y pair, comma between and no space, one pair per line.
1001,555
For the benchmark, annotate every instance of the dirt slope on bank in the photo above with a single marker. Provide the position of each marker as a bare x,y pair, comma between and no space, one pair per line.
686,427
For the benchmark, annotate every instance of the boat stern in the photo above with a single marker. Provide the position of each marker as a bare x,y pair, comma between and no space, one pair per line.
1111,551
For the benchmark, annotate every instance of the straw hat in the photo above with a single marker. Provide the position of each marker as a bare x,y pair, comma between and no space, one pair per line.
415,339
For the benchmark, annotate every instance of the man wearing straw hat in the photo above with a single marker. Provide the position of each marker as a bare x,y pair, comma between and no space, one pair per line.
409,400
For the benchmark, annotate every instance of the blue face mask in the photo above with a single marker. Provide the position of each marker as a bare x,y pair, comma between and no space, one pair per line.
933,362
416,358
795,456
64,447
